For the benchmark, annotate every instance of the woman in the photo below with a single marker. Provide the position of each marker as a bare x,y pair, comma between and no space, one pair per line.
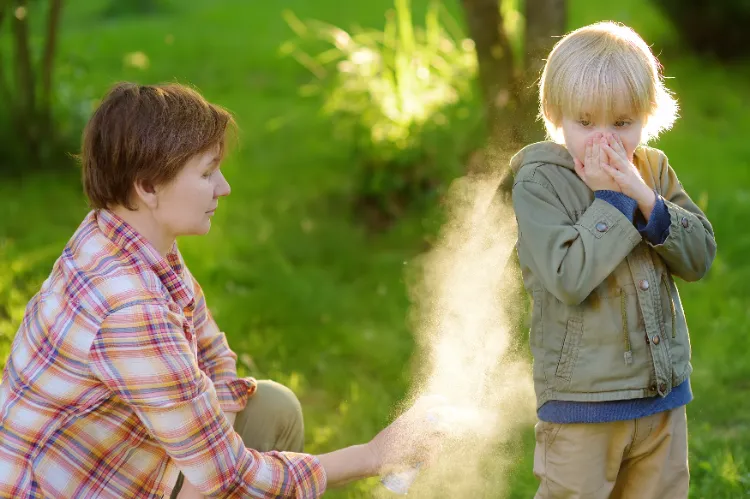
119,383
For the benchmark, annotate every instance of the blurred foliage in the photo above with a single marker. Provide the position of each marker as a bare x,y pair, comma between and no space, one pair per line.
393,96
41,109
710,27
514,26
121,8
18,282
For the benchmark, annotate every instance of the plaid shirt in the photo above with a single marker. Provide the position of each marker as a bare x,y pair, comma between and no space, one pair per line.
118,376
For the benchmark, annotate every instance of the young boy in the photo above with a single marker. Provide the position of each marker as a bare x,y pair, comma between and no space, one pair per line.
604,225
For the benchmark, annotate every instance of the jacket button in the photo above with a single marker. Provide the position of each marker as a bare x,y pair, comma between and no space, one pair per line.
685,222
662,387
602,227
655,339
652,388
643,285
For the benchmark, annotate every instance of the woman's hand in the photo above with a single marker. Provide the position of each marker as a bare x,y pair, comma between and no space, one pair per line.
626,175
593,170
415,436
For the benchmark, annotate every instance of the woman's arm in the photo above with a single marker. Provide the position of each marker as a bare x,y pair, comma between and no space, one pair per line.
349,464
142,355
410,438
413,437
341,467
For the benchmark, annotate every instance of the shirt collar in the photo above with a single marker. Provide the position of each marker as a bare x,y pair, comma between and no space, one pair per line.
169,269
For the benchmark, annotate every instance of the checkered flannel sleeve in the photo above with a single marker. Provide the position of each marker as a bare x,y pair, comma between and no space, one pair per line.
142,355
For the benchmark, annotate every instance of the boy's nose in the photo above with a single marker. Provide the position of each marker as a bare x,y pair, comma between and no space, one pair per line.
603,133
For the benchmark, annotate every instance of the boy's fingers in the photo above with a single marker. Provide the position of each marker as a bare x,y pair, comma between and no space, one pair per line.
616,160
614,172
619,145
596,152
613,140
579,167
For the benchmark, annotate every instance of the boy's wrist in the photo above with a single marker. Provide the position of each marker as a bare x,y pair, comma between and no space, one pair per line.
646,201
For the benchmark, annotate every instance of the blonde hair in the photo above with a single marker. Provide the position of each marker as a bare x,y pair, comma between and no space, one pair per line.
595,68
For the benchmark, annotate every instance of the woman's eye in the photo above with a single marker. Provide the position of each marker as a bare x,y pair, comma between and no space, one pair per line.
206,175
584,122
621,123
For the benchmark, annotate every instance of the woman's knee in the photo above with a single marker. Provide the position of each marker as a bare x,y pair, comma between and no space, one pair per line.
272,419
279,400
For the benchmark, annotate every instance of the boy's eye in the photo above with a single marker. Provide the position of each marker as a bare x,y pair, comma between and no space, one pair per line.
621,123
583,122
207,174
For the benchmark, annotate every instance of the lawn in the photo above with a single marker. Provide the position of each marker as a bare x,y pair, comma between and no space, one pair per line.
309,298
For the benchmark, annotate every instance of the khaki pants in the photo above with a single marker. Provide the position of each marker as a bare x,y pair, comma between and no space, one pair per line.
638,459
271,420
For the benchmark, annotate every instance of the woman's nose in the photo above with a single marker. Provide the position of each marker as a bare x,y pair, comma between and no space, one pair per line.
223,188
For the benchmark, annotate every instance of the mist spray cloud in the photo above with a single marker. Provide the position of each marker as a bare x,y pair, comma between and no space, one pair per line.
466,305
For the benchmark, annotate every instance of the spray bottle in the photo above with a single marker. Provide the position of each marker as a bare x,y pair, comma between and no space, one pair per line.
447,419
400,482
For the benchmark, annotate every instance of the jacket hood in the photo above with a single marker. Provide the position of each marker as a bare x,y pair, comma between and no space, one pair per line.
542,152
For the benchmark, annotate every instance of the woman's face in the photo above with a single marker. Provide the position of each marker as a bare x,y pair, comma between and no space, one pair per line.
185,205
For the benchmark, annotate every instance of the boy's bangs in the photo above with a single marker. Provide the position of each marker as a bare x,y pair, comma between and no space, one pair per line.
608,89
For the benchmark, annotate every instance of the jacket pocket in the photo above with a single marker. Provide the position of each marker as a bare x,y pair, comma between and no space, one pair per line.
675,326
669,311
536,329
536,337
569,355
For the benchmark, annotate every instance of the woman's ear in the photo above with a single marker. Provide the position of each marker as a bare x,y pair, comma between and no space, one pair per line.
145,193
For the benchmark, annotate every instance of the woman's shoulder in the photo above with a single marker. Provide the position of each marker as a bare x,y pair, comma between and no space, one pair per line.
96,274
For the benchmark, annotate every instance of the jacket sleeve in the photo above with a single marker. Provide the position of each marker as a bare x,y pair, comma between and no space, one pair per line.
570,257
690,247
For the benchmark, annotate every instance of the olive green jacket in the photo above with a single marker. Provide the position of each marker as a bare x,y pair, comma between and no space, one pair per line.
607,322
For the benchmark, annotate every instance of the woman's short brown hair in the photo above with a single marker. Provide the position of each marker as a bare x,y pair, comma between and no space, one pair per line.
146,133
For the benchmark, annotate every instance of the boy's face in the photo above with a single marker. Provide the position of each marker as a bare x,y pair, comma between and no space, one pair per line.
187,203
576,131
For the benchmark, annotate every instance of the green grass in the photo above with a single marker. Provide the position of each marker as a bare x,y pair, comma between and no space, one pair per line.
310,299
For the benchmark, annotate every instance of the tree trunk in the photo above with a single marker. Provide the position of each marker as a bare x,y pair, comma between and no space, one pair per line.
545,23
25,104
24,73
511,99
5,94
48,64
496,76
27,92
